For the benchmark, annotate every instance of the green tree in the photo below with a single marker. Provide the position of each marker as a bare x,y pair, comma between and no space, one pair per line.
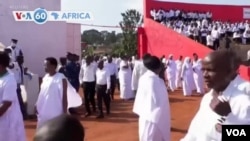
109,37
92,37
89,51
130,21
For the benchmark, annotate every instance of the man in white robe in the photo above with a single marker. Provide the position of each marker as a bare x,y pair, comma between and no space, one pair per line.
152,104
171,73
138,71
198,77
125,77
11,121
228,101
56,94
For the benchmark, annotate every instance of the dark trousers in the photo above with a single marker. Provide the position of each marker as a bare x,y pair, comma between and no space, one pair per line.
21,102
117,81
112,86
75,84
216,44
103,96
204,40
196,38
211,47
89,95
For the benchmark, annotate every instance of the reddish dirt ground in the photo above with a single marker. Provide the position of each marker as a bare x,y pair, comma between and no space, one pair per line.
121,124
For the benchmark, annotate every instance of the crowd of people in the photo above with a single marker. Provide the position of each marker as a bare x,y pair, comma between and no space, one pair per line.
202,28
147,81
224,103
185,74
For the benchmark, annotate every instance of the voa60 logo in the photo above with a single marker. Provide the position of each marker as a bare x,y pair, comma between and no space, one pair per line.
39,16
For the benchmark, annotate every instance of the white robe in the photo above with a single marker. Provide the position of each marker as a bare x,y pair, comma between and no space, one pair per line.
49,102
152,106
171,74
187,76
198,77
202,127
178,73
125,77
138,71
11,122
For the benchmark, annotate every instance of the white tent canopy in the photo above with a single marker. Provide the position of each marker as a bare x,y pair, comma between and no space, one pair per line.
213,2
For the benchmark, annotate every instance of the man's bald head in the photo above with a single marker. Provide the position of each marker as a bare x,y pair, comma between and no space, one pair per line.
220,68
61,128
224,59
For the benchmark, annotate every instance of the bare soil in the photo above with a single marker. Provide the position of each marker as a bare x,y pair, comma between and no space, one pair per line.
121,124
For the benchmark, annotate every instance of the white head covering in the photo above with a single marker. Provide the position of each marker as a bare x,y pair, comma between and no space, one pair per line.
187,61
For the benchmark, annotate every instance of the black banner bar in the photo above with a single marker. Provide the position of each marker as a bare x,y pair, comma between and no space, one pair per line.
236,132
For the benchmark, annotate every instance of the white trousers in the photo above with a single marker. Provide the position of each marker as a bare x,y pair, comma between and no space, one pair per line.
148,131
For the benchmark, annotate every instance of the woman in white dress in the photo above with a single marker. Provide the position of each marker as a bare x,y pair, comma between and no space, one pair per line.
187,77
11,119
125,78
171,73
198,76
178,63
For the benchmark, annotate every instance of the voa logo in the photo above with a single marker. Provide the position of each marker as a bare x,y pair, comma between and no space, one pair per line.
39,16
23,16
236,132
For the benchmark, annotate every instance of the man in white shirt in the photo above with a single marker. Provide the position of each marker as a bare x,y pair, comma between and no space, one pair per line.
210,40
246,36
102,88
152,104
216,36
87,81
228,101
113,71
204,35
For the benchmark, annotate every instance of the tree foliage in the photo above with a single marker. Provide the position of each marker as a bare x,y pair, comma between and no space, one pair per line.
104,38
130,21
121,43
